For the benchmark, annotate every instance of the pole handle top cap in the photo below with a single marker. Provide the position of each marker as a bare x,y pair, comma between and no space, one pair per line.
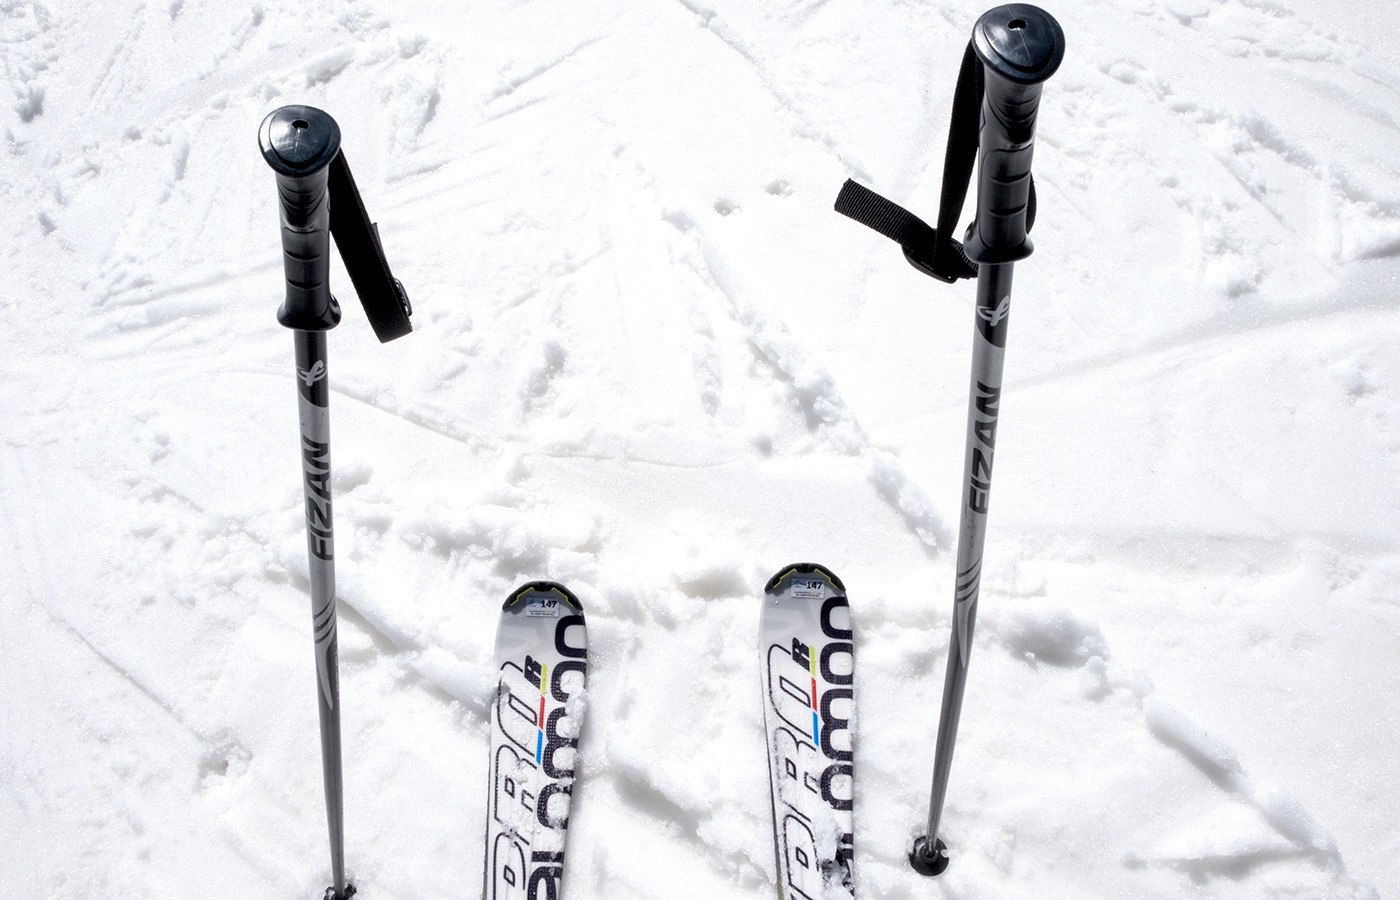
299,140
1020,42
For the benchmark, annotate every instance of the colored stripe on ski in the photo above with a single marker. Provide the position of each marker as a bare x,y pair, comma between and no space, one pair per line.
808,671
542,660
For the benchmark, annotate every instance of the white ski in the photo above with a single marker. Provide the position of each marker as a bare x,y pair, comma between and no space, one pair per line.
808,668
542,658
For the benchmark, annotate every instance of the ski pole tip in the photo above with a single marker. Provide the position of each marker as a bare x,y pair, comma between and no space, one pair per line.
926,860
333,894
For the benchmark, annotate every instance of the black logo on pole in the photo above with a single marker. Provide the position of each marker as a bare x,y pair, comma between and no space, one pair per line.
991,321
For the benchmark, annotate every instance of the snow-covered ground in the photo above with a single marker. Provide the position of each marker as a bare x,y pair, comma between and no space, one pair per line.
651,362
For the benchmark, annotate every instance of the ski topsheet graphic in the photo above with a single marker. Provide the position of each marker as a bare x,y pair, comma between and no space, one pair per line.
808,704
542,658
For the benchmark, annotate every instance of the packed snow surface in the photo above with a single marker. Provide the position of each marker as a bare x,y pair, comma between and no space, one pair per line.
651,362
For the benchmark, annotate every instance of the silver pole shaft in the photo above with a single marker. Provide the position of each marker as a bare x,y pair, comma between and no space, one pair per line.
988,350
313,404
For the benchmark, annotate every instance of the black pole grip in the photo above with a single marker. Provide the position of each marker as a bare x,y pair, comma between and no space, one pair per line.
1020,47
299,143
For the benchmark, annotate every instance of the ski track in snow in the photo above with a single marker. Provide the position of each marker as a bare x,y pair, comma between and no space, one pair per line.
651,363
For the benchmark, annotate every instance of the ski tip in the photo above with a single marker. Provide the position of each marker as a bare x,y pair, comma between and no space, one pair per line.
804,569
927,861
542,587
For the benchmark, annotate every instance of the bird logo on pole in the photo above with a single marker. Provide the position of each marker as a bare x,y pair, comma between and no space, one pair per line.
312,375
995,317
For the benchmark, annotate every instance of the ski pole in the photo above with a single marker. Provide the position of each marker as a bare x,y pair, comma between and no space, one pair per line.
319,199
1019,46
1014,49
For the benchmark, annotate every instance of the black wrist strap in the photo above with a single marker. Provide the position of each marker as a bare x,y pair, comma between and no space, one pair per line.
933,251
357,238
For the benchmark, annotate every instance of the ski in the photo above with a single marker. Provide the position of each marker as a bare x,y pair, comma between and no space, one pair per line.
808,670
542,660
